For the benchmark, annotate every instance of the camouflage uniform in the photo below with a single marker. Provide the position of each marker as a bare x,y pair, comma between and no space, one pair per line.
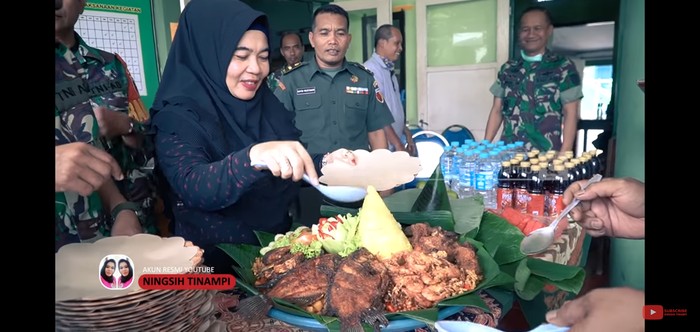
86,78
273,79
533,95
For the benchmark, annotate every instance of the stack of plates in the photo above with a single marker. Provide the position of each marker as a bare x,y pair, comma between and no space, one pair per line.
83,303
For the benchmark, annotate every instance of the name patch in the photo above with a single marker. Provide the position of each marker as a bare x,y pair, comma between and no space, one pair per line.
306,91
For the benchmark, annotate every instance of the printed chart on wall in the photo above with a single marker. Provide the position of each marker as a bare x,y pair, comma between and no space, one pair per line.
127,31
116,33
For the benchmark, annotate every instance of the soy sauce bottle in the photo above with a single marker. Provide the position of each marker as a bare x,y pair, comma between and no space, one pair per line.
520,193
555,201
596,166
535,189
504,189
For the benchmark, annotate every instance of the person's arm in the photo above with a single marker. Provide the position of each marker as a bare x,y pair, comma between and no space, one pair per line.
126,222
115,123
570,97
495,119
570,111
410,144
200,181
378,117
393,138
138,113
377,139
83,168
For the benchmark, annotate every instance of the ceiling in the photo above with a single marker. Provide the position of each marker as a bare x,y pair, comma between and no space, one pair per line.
590,41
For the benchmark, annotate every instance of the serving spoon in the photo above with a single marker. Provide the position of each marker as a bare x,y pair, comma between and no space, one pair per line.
539,240
344,194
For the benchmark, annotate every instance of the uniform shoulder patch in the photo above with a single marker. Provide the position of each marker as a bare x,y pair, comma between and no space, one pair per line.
359,65
290,68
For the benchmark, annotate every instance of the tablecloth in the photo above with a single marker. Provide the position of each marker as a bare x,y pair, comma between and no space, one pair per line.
570,249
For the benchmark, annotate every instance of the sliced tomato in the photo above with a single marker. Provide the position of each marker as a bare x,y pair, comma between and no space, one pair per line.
305,238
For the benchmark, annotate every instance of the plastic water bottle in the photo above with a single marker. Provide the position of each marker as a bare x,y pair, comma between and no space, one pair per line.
495,163
484,181
520,147
456,161
446,161
467,172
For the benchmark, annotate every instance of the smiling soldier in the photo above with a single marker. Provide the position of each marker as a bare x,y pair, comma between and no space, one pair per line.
338,103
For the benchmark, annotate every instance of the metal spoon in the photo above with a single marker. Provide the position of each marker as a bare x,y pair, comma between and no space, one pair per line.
344,194
539,240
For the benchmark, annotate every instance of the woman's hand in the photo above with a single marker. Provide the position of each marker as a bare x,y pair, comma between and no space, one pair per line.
285,159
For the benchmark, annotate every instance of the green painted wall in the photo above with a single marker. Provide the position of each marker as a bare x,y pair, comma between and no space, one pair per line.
164,12
627,256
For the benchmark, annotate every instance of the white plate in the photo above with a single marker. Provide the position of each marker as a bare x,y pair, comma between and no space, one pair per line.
459,326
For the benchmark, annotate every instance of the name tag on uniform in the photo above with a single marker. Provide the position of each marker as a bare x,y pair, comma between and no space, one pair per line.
306,91
356,90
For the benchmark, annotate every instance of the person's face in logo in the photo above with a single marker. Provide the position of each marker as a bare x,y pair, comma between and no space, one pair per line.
123,269
109,269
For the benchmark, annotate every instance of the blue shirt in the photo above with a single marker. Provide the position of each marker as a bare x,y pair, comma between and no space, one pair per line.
389,86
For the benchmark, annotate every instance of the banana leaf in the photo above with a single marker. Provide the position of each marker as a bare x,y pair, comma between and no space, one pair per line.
496,241
465,216
502,240
433,196
244,255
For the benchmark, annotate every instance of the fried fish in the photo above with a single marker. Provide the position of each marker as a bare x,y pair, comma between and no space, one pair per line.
308,282
357,290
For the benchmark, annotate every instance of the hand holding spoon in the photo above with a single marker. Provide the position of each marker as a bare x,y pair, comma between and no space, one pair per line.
539,240
345,194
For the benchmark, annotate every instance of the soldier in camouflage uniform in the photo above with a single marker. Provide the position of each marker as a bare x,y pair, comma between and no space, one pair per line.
96,102
537,92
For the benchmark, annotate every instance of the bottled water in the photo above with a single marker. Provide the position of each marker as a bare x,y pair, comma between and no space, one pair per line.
484,181
495,163
520,147
446,163
456,161
467,171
